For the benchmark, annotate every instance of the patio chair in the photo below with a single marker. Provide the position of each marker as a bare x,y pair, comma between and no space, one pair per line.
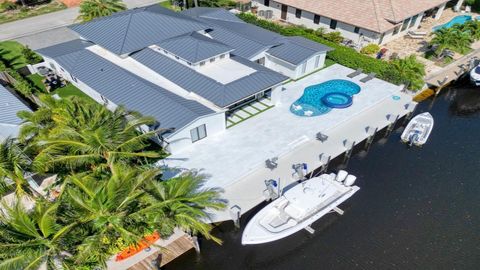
415,36
369,77
418,33
322,137
355,73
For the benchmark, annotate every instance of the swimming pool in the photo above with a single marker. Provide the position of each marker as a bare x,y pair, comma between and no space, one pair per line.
456,20
320,98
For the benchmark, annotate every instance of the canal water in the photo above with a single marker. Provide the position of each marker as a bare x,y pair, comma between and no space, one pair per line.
418,208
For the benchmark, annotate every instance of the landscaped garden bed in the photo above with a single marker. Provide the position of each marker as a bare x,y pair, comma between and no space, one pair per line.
11,12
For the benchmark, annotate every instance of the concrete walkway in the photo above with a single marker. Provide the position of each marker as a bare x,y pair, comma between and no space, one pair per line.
45,22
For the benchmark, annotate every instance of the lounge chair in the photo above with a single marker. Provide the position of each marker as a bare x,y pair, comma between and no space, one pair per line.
355,73
414,36
418,33
369,77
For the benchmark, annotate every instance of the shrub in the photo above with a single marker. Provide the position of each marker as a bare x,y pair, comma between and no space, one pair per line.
370,49
30,56
333,37
342,55
7,5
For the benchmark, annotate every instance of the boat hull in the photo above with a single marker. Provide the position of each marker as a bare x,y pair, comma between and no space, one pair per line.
418,129
255,233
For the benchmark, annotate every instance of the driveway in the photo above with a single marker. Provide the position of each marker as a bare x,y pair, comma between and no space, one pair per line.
54,20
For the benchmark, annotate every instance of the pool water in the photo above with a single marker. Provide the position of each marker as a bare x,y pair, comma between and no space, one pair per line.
311,104
457,20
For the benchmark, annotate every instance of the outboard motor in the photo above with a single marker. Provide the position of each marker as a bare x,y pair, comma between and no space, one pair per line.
412,139
350,180
341,175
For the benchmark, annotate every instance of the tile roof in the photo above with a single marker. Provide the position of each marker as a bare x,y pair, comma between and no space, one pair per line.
194,47
132,30
9,106
125,88
220,94
375,15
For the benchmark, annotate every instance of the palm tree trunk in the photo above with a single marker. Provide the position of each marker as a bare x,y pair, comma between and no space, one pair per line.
195,2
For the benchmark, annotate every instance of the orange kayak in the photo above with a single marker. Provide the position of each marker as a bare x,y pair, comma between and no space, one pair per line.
134,249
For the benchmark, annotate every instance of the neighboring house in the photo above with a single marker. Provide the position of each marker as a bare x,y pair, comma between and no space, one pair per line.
188,70
362,21
9,106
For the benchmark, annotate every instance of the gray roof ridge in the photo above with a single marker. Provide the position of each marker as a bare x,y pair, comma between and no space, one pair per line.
126,33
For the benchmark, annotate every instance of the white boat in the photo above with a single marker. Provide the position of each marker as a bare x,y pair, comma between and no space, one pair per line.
418,129
299,207
475,75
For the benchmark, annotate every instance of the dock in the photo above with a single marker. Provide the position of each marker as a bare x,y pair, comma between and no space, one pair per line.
159,254
275,144
453,71
251,191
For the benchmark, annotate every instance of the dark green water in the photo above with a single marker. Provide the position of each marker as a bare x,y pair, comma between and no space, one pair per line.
416,209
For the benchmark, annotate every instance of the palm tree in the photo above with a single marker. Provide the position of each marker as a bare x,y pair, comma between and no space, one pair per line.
182,202
130,203
13,164
31,239
77,135
452,38
409,71
91,9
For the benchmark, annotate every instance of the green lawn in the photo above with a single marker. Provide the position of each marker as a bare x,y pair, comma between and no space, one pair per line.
168,4
11,51
68,91
22,13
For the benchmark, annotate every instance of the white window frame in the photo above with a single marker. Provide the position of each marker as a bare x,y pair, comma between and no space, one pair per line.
198,133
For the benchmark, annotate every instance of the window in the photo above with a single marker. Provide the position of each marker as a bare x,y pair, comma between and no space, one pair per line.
267,3
222,56
165,52
202,63
188,63
304,67
316,19
396,30
212,60
53,66
317,61
198,133
356,30
73,78
414,21
333,24
405,24
298,13
176,57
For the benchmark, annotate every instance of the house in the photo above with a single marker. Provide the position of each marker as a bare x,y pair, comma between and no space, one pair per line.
189,70
362,21
10,104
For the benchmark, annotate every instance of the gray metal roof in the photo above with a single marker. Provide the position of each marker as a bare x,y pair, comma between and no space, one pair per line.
64,48
194,47
220,94
9,106
125,88
249,40
132,30
295,50
212,13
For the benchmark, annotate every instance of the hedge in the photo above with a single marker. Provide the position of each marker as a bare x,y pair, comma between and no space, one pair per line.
341,54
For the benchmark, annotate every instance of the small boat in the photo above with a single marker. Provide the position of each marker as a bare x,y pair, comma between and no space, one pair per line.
475,75
418,129
299,207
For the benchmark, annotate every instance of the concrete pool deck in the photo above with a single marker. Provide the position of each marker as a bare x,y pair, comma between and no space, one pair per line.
235,159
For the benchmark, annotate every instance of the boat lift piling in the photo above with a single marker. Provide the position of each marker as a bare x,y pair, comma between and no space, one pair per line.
348,152
391,126
371,136
411,109
324,161
235,212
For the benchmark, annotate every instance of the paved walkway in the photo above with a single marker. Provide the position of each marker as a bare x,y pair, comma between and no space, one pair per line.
30,26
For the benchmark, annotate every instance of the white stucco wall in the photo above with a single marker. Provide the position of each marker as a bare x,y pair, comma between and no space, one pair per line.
292,71
363,37
181,139
8,130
